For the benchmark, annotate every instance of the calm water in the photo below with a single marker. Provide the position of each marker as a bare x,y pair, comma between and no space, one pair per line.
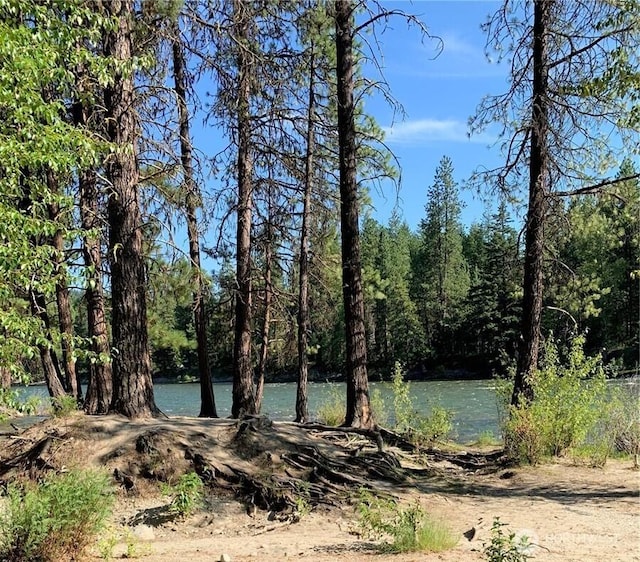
472,402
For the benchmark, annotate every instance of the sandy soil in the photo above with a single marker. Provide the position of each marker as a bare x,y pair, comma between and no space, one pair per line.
570,512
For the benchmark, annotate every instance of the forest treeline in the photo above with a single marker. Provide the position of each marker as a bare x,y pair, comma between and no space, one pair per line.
101,174
443,296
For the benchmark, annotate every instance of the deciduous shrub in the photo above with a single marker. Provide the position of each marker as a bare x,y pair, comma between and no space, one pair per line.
332,411
570,398
186,494
11,404
64,405
421,430
56,519
506,547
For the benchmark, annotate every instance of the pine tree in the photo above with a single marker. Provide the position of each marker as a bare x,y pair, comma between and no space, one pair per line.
442,276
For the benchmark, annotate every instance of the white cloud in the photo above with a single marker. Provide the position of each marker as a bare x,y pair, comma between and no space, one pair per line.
456,45
430,130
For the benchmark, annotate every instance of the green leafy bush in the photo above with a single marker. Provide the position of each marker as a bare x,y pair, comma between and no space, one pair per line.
486,439
618,429
379,407
11,404
64,405
332,411
187,494
402,529
421,430
506,547
570,397
623,423
56,519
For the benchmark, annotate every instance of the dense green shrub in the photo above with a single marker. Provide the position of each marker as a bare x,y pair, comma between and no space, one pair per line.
63,406
11,404
56,519
186,494
570,400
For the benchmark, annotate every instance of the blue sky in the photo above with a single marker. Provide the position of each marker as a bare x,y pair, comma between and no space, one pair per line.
439,94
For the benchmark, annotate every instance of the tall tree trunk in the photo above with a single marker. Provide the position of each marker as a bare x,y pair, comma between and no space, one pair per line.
302,394
38,306
132,384
100,388
207,399
5,378
52,375
266,320
243,391
65,320
358,405
537,211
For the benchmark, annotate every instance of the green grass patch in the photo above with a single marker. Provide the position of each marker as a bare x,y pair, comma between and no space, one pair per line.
401,529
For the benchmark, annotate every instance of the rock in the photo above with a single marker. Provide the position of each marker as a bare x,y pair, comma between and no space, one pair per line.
470,534
224,558
144,533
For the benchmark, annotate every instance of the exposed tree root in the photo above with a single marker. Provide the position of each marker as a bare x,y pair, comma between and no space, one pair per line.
283,468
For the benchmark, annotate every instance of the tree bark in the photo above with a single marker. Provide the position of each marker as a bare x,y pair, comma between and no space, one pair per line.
52,375
207,399
358,405
65,320
132,384
243,391
537,211
266,320
5,378
100,388
302,394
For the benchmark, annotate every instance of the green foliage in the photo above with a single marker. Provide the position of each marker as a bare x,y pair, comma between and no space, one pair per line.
403,410
110,538
107,544
402,529
333,410
491,326
441,274
170,316
570,397
618,429
486,439
600,246
42,43
56,519
11,404
302,499
505,547
187,494
64,406
421,430
379,407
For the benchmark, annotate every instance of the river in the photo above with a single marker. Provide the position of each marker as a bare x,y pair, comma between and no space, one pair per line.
472,402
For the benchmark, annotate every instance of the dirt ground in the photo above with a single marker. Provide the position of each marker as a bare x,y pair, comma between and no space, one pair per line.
569,512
